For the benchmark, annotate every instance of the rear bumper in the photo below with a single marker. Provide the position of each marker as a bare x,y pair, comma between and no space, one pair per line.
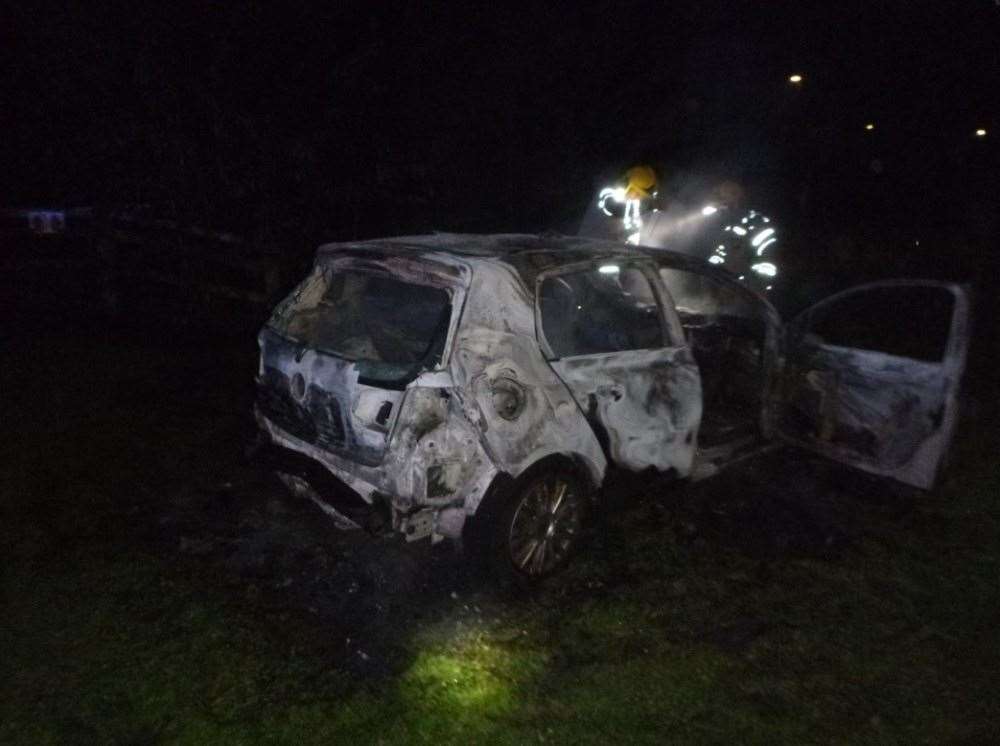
372,516
387,497
358,478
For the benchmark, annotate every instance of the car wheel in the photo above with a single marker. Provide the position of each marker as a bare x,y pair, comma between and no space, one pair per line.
537,526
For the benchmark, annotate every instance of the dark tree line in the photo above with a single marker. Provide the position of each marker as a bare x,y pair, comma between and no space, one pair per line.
337,120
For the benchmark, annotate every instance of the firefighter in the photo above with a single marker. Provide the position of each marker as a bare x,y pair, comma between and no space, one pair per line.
635,196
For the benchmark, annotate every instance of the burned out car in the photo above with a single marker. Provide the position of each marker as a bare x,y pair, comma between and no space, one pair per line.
482,387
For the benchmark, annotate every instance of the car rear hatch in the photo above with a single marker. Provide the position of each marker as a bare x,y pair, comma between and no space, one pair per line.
338,353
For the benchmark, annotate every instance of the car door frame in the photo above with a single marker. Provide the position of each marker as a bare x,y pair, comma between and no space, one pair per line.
926,464
673,338
774,329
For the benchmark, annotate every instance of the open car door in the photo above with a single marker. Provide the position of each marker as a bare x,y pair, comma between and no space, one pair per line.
871,377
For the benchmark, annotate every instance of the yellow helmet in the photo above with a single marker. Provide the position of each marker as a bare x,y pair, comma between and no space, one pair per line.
640,182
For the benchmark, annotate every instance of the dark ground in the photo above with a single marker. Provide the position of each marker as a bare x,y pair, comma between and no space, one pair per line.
157,588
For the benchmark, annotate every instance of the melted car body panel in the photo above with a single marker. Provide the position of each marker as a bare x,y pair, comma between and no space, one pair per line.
639,390
883,413
523,409
879,408
317,398
434,459
645,405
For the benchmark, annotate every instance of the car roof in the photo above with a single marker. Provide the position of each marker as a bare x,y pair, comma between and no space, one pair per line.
529,254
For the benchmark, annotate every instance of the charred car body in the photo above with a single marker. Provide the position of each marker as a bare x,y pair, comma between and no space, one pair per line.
482,387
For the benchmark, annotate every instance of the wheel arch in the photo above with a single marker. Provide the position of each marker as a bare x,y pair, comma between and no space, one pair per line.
590,475
490,507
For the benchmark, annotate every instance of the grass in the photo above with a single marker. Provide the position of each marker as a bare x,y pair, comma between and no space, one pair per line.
108,637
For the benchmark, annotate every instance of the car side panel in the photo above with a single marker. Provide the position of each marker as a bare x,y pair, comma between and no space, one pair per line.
645,404
496,351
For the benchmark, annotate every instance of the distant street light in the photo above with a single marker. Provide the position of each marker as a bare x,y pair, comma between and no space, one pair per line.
980,132
796,78
709,210
870,126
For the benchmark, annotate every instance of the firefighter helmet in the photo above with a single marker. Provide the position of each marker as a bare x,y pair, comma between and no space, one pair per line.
640,182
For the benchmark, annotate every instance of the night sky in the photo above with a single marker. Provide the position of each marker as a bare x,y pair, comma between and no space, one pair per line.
341,120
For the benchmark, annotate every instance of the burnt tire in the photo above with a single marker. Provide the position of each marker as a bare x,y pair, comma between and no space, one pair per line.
529,530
